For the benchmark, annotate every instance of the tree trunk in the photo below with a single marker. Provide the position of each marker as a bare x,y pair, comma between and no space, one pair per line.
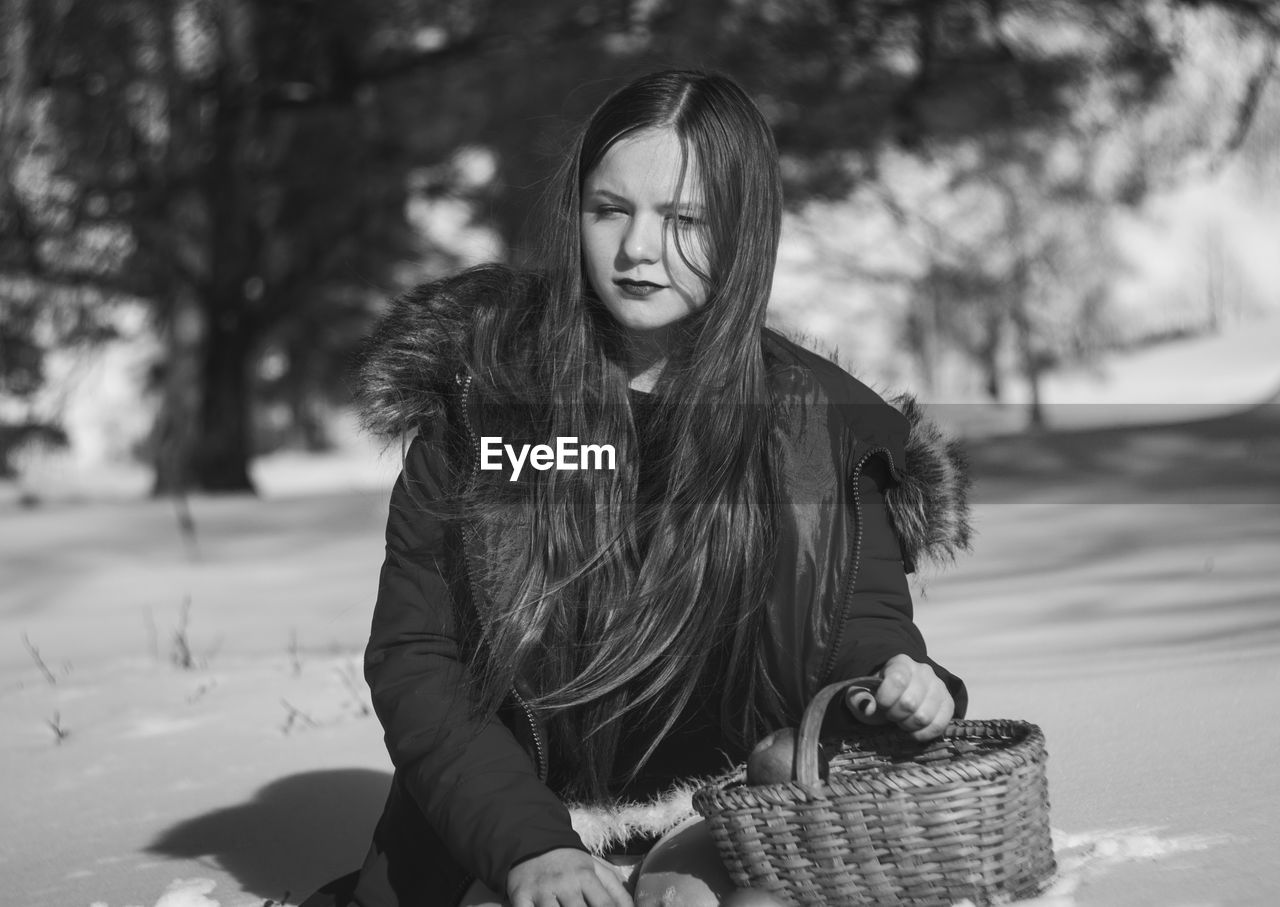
1031,364
1020,309
174,431
989,355
172,437
220,460
1035,412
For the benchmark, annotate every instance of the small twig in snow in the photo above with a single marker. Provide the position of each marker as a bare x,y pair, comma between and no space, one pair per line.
35,656
186,523
295,716
347,673
181,654
60,733
293,652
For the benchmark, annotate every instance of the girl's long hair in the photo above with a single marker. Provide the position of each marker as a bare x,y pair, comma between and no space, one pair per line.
622,609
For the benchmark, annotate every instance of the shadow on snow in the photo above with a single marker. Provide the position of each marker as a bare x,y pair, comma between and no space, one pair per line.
1227,458
294,835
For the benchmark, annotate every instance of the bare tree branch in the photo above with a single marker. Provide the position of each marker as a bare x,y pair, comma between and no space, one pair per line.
35,656
1247,108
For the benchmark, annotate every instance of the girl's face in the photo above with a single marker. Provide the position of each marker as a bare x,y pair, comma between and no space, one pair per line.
631,214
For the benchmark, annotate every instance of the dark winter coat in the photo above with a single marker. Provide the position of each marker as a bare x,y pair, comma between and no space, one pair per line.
869,490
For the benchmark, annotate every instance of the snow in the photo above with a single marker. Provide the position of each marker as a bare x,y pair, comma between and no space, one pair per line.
182,893
1127,604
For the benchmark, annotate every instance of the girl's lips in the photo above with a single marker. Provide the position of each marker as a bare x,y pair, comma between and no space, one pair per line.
637,289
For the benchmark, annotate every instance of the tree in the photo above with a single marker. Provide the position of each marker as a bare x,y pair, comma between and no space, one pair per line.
244,166
180,129
1005,168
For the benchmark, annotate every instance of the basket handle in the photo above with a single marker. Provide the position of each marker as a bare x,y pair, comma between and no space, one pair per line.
860,697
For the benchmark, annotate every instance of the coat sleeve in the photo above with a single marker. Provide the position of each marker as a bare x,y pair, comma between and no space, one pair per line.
470,777
878,623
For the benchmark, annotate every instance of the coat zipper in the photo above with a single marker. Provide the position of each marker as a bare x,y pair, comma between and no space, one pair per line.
540,759
467,879
540,752
466,419
851,577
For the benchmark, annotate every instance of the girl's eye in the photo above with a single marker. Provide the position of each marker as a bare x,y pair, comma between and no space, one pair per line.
687,221
609,211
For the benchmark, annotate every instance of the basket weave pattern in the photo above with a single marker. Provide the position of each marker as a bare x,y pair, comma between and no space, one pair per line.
897,822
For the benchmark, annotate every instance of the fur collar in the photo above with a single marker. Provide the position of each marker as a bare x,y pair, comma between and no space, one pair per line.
411,360
930,504
407,366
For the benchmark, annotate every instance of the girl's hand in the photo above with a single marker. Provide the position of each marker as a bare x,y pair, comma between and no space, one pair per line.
912,697
565,878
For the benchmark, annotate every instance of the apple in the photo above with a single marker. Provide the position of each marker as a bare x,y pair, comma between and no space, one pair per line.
772,760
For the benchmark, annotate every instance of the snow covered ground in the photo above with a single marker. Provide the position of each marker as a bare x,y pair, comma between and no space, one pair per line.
185,726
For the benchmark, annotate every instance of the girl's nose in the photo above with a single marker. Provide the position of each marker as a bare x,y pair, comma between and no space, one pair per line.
643,241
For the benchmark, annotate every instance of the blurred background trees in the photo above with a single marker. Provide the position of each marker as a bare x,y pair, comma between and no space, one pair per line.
244,183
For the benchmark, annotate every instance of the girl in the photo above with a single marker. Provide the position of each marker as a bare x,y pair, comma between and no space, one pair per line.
718,524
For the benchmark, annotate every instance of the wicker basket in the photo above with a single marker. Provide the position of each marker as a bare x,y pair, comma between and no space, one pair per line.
897,822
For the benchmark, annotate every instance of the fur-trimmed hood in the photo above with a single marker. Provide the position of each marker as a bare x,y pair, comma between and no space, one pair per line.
410,363
930,504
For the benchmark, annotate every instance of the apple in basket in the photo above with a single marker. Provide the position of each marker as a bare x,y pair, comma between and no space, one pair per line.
750,897
773,759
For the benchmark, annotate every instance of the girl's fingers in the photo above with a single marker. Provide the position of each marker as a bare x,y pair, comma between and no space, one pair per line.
897,675
912,698
613,892
561,894
933,698
940,716
574,898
